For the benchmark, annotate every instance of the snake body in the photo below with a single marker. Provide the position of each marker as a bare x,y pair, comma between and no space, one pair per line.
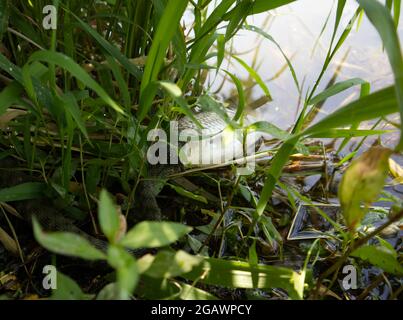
53,220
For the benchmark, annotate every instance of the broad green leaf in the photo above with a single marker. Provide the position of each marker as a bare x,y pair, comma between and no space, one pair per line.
108,216
167,264
171,88
362,182
381,257
109,292
126,270
66,243
23,191
68,289
189,292
151,234
236,274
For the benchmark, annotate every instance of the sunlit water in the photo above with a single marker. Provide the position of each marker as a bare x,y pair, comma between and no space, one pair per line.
296,27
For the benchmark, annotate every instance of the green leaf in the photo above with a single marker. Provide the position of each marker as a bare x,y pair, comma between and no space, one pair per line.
4,15
23,191
377,104
9,95
42,93
380,103
165,31
167,264
214,18
111,49
269,37
188,194
68,289
260,6
121,82
109,292
77,71
73,109
254,75
362,182
108,216
151,234
381,257
382,20
335,89
348,133
220,50
189,292
236,274
126,270
241,96
238,16
269,128
66,243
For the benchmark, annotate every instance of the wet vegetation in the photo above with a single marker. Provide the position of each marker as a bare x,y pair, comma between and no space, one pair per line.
77,102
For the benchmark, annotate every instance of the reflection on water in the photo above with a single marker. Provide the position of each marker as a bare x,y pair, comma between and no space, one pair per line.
296,27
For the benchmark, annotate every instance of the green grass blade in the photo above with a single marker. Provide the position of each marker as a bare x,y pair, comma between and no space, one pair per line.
382,20
270,38
4,15
254,75
165,31
241,96
380,103
375,105
68,64
260,6
111,49
236,274
23,191
335,89
9,95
